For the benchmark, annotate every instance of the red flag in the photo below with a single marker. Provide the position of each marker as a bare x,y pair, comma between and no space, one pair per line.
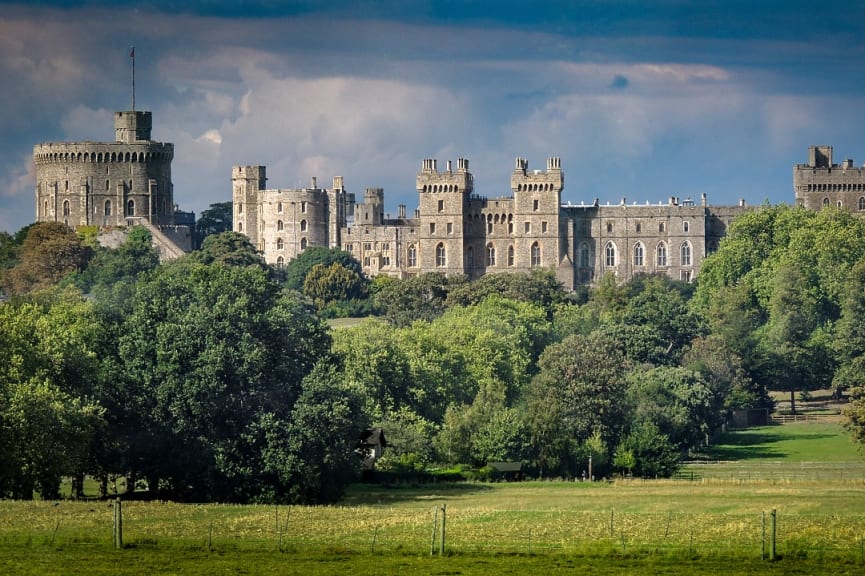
132,53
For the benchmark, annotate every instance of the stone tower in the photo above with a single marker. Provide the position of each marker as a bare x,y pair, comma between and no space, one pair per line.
541,239
820,183
106,183
246,182
444,198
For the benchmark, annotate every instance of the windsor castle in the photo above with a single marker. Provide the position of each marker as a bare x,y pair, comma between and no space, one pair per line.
453,230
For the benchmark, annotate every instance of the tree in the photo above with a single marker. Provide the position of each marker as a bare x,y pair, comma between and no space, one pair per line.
109,266
678,402
333,284
647,452
578,391
793,319
216,219
724,372
420,297
230,249
299,267
206,354
50,251
849,342
538,286
313,453
49,419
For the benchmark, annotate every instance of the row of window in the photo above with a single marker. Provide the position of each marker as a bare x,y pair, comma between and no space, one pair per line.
861,203
662,227
611,258
279,207
835,187
490,256
527,227
280,243
280,226
107,207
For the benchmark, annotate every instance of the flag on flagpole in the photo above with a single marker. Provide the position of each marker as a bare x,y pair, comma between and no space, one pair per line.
132,52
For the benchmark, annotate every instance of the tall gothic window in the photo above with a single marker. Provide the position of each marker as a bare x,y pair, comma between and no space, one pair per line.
130,207
638,254
610,255
108,207
686,254
441,256
412,256
303,243
66,207
279,226
662,255
861,203
584,255
536,254
510,255
491,255
303,225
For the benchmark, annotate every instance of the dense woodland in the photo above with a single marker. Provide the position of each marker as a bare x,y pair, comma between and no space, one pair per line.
215,377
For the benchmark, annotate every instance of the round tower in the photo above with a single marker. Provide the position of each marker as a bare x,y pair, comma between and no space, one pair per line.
104,184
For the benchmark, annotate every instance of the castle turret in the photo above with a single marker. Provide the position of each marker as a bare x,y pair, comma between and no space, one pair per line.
247,182
444,197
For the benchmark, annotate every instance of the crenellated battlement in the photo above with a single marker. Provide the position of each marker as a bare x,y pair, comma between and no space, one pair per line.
550,180
429,179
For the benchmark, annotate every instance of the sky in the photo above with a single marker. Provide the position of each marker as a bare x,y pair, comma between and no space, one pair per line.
641,100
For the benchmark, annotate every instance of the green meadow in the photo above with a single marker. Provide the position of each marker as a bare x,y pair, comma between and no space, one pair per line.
713,523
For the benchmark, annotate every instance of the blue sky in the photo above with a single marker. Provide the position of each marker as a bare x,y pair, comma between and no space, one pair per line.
641,100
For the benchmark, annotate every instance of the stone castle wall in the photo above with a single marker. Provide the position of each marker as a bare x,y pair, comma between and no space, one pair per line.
99,183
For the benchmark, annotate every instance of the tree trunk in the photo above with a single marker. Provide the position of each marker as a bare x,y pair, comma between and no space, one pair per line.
792,401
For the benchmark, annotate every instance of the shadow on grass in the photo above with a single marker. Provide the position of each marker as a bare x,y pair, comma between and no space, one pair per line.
756,444
369,494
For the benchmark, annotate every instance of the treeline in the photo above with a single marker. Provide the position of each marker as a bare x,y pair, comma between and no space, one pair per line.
214,377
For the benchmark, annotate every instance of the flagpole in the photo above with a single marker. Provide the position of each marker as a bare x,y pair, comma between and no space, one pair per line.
132,55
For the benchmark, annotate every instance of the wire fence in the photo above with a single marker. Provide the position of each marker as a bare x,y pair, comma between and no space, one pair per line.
421,530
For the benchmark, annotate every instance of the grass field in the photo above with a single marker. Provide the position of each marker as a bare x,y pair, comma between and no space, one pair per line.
705,526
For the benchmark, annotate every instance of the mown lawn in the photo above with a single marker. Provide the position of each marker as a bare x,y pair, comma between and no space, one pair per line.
796,451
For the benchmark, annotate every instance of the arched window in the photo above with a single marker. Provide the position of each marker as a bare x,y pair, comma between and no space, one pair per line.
441,256
66,207
862,203
279,226
610,255
584,255
536,254
303,225
108,207
662,255
130,207
491,255
280,244
240,226
686,226
280,261
279,207
686,254
303,243
412,256
825,202
510,255
638,254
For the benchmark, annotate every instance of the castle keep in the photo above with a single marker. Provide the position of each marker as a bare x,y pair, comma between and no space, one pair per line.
455,231
118,183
